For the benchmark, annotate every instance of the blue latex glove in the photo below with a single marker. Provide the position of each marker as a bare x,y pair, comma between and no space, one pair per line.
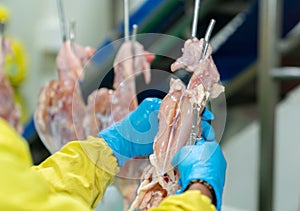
203,161
208,132
134,135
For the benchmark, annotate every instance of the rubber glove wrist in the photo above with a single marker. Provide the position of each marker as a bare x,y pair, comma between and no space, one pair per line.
208,132
134,135
202,161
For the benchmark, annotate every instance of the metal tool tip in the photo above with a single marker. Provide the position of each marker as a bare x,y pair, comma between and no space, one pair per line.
209,29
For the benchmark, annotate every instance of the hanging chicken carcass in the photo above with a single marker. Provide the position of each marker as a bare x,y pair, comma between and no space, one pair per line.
175,122
9,110
108,106
61,108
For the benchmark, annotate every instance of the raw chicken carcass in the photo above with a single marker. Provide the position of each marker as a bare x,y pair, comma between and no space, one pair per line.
126,64
98,113
8,109
204,72
176,126
192,53
175,115
108,106
71,60
61,108
59,115
126,67
128,178
175,123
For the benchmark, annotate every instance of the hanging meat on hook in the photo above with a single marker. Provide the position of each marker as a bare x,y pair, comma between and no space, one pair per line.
61,108
108,106
9,110
175,122
71,60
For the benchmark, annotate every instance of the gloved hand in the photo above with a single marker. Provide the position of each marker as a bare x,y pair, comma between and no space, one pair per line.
208,132
134,135
203,161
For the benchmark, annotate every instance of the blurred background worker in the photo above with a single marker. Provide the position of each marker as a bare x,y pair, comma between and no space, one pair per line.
76,177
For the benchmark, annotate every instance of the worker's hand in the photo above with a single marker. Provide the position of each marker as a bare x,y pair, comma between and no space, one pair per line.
203,161
134,135
207,132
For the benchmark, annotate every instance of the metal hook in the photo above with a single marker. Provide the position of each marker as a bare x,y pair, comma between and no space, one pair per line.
207,37
195,125
133,40
195,19
72,34
61,16
126,20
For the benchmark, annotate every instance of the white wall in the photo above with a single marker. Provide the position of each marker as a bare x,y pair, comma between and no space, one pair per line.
242,151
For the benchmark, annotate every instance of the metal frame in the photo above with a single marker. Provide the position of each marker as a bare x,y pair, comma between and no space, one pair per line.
271,49
286,73
269,22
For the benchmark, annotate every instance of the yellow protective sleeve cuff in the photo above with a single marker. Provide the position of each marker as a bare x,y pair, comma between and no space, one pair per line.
81,169
192,200
22,188
13,147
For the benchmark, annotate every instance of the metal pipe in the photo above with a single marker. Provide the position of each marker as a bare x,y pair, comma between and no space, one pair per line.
288,44
126,20
72,35
195,125
195,19
134,32
207,37
133,40
72,32
61,16
209,30
286,73
269,22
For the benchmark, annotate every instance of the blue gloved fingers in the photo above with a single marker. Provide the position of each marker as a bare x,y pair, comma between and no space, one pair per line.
124,149
207,115
208,132
140,135
202,161
141,125
134,135
179,161
143,122
140,117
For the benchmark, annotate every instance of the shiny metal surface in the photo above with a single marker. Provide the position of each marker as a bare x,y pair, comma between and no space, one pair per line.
269,22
